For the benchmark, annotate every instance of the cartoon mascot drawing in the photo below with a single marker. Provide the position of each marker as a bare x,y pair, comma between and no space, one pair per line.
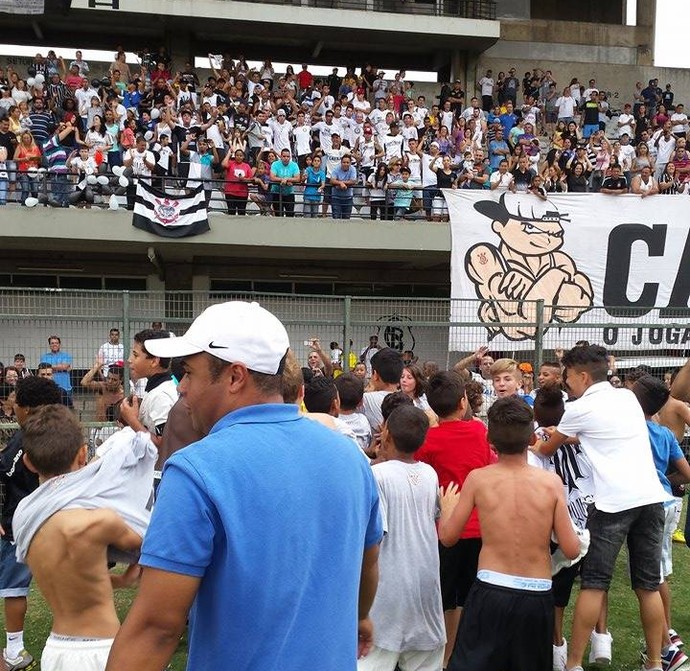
527,265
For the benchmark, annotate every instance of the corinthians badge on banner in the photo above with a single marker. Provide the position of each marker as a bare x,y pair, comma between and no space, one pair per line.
525,262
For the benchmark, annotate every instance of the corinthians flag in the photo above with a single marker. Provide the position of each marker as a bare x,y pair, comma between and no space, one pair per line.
170,216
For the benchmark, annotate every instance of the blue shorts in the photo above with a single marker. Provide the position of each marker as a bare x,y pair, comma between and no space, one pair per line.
15,578
589,128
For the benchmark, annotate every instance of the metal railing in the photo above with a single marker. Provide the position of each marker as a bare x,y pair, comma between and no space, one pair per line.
107,190
466,9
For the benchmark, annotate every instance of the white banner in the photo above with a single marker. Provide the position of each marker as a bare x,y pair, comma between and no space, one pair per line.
592,259
22,7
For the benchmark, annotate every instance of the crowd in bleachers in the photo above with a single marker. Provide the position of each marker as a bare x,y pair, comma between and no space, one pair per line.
360,140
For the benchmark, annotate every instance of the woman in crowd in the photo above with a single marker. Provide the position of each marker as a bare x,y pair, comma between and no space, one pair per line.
97,140
413,384
577,180
20,92
670,182
643,159
445,143
555,181
315,181
237,175
377,193
557,137
28,158
114,155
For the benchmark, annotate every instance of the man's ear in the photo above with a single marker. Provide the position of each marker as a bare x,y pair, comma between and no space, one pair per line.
28,464
82,457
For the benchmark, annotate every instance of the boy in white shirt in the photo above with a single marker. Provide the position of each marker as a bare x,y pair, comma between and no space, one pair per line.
407,612
628,497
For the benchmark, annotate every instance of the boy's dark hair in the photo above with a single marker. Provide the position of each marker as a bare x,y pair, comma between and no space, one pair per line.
393,401
388,364
475,395
350,389
444,392
117,369
651,393
34,391
636,374
548,405
43,365
407,426
319,394
511,425
19,357
52,438
550,364
590,358
150,334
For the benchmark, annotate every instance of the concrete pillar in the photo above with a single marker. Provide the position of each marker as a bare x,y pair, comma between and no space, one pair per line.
646,12
458,63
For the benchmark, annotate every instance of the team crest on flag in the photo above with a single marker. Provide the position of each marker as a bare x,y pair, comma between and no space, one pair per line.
168,215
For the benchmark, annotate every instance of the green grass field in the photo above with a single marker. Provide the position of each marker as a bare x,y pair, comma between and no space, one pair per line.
624,620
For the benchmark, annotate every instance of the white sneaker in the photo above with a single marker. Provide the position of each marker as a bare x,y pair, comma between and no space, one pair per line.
600,648
560,656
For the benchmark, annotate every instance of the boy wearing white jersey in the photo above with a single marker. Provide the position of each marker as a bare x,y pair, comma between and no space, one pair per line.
628,497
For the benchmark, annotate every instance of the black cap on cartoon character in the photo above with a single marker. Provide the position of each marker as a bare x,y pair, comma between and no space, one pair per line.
520,207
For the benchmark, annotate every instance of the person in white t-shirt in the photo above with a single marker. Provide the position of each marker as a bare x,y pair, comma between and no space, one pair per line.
302,134
502,180
407,612
386,369
149,414
566,106
282,131
486,86
139,162
393,143
679,122
111,352
628,497
626,122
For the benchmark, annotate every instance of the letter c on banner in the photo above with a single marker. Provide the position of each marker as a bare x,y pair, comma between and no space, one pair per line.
618,258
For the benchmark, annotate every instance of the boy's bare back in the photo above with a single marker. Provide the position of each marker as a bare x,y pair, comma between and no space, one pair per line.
518,506
67,557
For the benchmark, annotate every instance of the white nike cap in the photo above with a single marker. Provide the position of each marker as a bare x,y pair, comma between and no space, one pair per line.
236,332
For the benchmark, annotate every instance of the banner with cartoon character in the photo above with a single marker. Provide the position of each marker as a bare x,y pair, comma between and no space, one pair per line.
591,258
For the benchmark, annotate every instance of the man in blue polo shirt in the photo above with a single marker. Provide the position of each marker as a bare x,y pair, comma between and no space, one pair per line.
343,178
284,174
61,363
266,531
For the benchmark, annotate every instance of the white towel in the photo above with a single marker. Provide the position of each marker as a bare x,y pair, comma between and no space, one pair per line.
122,480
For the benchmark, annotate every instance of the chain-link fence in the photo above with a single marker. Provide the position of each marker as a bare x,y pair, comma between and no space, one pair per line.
440,330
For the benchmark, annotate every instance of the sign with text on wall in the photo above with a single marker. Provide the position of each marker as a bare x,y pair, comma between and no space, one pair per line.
581,254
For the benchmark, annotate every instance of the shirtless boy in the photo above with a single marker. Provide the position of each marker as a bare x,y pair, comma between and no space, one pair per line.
508,621
72,544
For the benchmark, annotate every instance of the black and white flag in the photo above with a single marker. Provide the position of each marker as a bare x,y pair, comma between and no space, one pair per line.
170,216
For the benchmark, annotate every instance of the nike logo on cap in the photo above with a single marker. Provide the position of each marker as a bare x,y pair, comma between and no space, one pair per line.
212,346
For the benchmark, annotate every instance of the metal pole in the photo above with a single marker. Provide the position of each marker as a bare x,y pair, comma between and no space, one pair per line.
347,332
539,337
126,339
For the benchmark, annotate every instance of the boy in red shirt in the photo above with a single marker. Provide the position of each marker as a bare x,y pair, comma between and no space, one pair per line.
453,449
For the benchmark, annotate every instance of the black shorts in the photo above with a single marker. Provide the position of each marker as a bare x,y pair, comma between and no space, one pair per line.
504,629
563,583
458,571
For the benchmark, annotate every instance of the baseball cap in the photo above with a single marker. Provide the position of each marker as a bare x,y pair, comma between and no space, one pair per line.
236,332
280,112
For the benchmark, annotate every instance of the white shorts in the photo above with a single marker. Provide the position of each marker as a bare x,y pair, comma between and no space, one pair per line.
671,516
69,653
414,660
